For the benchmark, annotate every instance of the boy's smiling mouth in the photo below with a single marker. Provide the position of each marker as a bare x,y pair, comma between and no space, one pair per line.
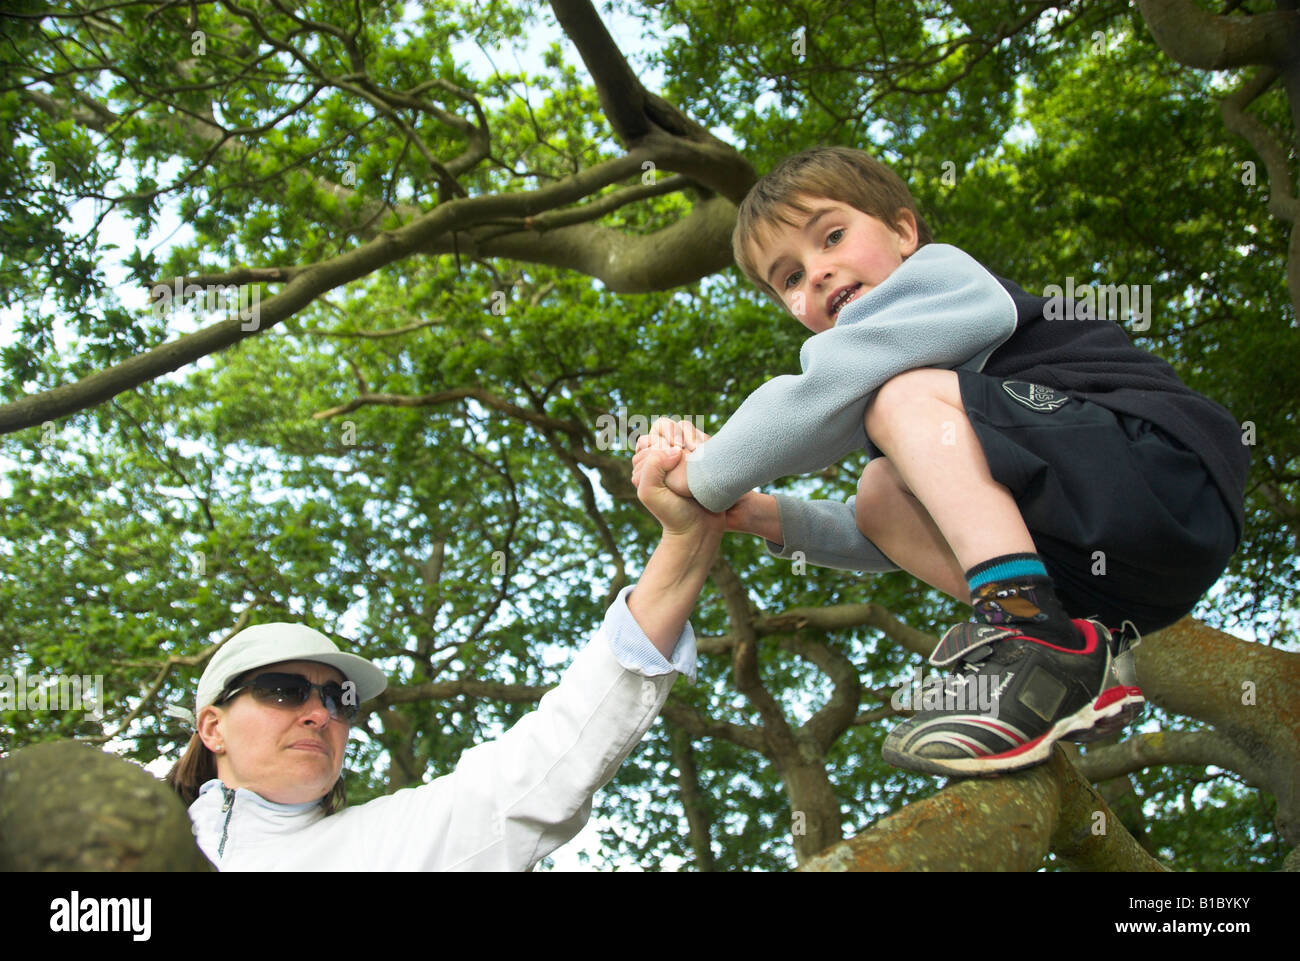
841,297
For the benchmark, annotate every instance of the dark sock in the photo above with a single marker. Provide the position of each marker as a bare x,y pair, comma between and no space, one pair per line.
1014,591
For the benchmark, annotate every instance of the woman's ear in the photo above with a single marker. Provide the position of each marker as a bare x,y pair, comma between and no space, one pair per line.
209,729
905,227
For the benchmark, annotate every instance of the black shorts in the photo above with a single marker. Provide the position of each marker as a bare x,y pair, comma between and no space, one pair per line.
1127,520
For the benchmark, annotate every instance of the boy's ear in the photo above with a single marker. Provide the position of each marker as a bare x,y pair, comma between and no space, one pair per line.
905,227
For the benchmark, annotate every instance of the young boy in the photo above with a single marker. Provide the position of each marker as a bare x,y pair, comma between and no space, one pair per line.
1044,469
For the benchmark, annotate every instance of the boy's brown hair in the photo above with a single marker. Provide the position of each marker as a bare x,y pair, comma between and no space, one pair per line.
837,173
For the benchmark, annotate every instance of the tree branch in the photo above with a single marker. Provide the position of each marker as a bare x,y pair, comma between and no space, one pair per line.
1282,202
681,253
642,119
1197,38
697,814
1162,748
305,287
699,725
484,397
1249,693
835,716
744,663
1008,823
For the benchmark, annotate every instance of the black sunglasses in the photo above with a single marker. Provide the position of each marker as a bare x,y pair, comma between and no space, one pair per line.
292,691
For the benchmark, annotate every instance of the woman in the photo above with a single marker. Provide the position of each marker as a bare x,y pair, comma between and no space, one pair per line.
262,772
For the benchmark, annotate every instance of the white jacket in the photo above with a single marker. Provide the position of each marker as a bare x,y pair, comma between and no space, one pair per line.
507,805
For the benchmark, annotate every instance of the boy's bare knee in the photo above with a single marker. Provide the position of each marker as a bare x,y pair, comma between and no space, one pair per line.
899,397
891,402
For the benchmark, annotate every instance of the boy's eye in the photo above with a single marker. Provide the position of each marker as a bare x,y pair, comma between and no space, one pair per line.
793,279
835,235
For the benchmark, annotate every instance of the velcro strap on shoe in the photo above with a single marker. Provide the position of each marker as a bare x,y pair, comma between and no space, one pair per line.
963,638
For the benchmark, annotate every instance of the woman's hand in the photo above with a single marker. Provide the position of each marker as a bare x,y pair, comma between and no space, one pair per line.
670,585
678,515
668,434
754,513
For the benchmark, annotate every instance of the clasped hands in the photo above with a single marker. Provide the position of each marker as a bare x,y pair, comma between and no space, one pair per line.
660,462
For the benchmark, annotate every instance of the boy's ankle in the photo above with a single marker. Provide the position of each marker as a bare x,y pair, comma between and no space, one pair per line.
1015,591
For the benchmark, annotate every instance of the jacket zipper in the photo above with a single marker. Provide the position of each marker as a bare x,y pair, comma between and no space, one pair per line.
227,805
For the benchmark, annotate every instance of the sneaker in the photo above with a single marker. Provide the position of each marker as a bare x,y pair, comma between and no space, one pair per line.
1123,677
1013,696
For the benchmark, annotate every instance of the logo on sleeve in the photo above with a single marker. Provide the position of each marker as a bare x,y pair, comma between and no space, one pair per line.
1035,396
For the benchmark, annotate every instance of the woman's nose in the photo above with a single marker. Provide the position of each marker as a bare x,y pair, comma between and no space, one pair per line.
315,708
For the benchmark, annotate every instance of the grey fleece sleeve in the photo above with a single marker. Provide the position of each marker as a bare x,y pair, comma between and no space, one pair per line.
940,308
826,533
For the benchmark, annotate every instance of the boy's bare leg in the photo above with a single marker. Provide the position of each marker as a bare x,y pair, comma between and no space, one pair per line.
917,419
1048,674
896,522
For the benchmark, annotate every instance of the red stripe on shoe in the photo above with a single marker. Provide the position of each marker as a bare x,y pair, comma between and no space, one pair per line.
1027,746
1086,628
1002,729
1115,694
978,749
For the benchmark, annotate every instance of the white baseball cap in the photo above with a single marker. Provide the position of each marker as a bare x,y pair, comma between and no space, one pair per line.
265,644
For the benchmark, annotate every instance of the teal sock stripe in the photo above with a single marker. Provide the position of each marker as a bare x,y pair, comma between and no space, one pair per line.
1000,572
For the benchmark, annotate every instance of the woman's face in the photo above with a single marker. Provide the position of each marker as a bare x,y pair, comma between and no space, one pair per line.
287,755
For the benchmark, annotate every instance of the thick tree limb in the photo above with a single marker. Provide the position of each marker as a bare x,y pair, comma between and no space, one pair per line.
836,716
642,119
1249,693
65,806
662,135
795,754
1004,824
306,286
744,666
1197,38
693,247
1282,202
1089,836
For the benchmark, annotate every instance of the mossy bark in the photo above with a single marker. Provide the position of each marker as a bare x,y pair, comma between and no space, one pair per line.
65,806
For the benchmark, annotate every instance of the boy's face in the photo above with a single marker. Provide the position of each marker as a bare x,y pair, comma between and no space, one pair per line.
836,255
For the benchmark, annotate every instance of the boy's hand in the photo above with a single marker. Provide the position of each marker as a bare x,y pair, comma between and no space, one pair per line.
754,513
